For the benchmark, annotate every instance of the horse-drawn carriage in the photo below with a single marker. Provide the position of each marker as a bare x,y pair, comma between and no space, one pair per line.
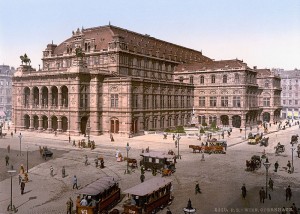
294,139
254,138
158,161
264,141
279,149
195,148
215,146
254,163
131,162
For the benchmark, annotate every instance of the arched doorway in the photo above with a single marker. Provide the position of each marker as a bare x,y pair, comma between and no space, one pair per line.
64,124
114,125
64,96
35,122
54,96
45,97
45,122
54,123
83,124
26,96
224,120
266,117
236,121
26,121
36,97
134,127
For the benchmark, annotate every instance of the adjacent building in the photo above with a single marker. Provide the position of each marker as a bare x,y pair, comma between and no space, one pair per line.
228,92
6,73
290,81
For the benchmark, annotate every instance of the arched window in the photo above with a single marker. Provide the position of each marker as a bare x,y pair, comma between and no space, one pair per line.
225,79
213,79
202,80
266,84
236,77
191,80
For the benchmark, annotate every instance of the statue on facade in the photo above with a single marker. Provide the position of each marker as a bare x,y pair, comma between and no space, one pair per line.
79,52
25,59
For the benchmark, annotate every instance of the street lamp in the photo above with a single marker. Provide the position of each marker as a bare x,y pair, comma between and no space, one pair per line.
245,132
189,208
267,165
292,169
20,136
127,149
27,157
11,207
178,138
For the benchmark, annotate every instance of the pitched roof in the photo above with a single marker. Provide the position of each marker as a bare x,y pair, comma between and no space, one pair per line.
136,41
212,65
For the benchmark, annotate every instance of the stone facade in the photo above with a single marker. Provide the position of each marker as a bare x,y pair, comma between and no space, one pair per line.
290,96
122,83
6,74
230,93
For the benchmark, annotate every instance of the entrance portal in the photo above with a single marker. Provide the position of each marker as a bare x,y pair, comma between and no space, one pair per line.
236,121
83,124
114,125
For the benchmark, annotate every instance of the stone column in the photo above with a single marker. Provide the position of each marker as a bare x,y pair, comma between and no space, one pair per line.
59,121
40,128
31,128
49,124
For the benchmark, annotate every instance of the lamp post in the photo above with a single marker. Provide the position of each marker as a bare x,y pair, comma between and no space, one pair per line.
11,208
292,169
27,158
267,165
178,138
127,150
245,131
20,136
189,209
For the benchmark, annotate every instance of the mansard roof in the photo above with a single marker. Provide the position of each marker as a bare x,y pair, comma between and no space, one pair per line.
213,65
135,42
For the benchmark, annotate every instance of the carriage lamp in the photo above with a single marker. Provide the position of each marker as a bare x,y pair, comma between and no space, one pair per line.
189,208
127,150
11,208
267,165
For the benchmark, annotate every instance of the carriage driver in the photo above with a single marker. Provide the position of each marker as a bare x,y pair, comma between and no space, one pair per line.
278,144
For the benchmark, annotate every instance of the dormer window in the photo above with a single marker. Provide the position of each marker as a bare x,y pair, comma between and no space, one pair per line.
87,47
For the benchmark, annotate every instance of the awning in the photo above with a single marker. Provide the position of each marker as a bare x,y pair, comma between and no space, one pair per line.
148,186
290,114
295,114
98,186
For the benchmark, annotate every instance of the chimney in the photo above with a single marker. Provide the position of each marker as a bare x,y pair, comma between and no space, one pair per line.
254,67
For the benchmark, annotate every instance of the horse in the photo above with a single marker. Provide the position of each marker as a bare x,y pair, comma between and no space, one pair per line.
195,148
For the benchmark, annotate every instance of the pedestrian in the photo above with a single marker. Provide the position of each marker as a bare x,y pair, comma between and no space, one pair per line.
262,195
288,193
6,160
244,191
294,208
8,149
276,166
271,182
51,171
96,162
75,182
197,188
222,134
11,134
289,166
173,136
69,139
69,206
175,143
15,130
86,160
142,177
63,172
20,179
22,187
241,130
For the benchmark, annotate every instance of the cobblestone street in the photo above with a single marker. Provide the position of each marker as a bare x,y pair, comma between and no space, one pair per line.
220,176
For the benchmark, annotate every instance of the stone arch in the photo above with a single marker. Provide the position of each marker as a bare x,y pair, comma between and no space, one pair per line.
26,121
64,124
26,96
64,96
54,123
44,96
54,96
224,120
35,122
36,96
266,117
83,124
45,122
236,121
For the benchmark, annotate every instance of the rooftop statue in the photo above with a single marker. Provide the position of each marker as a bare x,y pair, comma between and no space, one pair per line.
25,59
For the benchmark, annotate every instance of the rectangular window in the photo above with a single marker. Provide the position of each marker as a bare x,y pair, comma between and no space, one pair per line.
169,101
213,101
236,102
202,101
135,100
146,101
114,100
224,101
176,101
296,102
182,102
188,101
290,102
266,101
83,96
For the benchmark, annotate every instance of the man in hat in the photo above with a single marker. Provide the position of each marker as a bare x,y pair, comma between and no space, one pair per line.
276,166
75,182
271,182
244,191
63,172
69,206
22,186
197,188
262,195
6,160
288,193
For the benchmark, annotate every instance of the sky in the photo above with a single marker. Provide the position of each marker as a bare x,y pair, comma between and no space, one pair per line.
262,33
